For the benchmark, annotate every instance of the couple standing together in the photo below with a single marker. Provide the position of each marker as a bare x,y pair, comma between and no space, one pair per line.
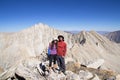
57,53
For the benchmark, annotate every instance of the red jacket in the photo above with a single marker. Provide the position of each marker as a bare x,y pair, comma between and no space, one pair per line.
61,48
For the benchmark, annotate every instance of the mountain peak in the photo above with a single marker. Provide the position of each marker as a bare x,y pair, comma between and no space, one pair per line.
114,36
33,42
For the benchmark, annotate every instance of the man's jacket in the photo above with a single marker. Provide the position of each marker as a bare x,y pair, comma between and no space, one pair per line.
61,48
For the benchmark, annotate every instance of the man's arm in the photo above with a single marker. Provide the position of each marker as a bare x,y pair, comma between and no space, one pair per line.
65,49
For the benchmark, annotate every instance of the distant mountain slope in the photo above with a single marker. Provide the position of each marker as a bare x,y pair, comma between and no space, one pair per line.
102,32
76,32
83,47
72,32
114,36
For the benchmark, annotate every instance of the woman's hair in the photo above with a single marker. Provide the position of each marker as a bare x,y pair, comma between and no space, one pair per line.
52,44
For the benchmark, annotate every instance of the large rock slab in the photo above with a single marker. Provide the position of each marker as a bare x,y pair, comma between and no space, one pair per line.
96,64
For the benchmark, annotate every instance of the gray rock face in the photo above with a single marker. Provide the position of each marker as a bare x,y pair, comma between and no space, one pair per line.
27,43
30,69
114,36
85,75
118,77
33,42
96,64
26,68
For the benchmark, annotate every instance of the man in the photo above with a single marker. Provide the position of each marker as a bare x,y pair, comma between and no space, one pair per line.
61,52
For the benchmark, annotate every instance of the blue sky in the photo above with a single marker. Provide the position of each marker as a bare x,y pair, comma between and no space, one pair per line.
99,15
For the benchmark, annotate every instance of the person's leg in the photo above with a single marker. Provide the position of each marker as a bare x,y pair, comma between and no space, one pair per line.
48,56
59,62
63,64
55,60
54,63
50,60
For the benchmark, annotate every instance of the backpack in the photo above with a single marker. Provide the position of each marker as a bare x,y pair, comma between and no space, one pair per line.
49,51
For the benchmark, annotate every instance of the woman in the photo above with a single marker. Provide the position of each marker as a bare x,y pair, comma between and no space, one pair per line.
53,54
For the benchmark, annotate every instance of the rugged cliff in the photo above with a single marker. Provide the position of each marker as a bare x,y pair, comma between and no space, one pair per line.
114,36
84,47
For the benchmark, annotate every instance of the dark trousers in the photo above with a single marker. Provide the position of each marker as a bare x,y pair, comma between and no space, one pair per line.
52,58
61,63
48,56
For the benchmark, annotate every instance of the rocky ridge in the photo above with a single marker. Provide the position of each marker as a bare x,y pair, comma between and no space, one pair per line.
114,36
22,52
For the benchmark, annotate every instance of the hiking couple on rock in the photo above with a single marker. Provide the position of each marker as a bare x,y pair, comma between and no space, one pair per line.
57,51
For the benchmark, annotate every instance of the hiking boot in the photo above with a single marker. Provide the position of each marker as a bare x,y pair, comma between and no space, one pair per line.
54,70
64,73
57,69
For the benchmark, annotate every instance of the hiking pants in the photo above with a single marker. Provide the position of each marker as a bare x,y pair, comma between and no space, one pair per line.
61,63
53,58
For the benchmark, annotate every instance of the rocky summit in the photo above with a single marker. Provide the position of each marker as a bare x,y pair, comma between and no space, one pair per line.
113,36
90,56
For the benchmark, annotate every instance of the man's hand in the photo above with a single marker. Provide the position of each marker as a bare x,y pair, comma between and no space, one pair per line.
63,56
